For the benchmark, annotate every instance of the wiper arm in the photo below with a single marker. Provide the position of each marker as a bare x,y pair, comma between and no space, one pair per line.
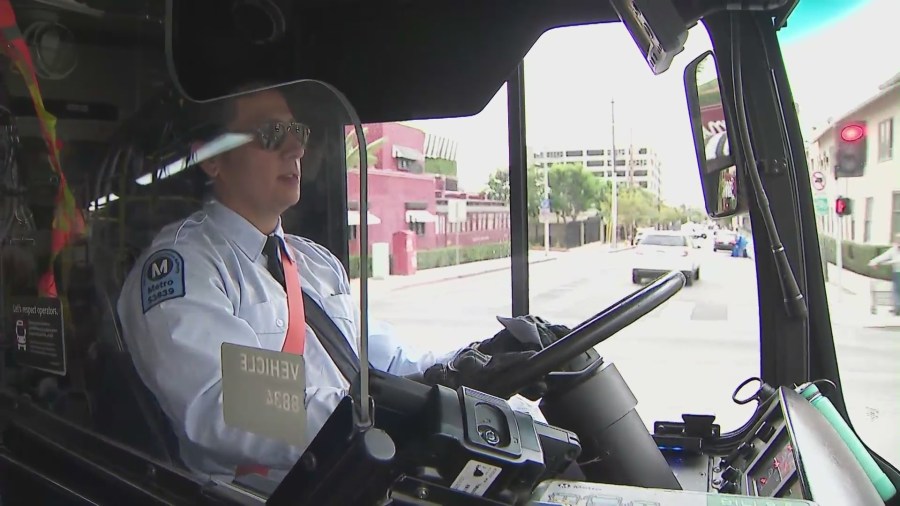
794,302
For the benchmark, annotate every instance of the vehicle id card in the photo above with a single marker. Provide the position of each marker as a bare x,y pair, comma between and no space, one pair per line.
264,392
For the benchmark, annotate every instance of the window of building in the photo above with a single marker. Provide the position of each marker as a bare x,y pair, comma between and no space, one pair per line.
867,223
595,152
886,140
895,216
620,173
554,154
620,163
595,163
639,173
643,184
642,151
418,228
577,152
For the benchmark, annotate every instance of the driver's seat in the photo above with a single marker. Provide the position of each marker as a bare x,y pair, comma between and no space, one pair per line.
125,409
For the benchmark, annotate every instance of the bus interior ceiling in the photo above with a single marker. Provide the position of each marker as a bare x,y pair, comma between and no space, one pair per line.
448,59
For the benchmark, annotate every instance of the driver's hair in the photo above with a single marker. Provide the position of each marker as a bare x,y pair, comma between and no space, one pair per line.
203,121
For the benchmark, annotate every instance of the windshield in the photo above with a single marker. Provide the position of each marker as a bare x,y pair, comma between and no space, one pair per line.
610,136
664,240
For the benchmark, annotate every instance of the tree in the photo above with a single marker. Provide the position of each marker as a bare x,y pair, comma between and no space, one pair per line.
498,188
352,149
573,190
637,207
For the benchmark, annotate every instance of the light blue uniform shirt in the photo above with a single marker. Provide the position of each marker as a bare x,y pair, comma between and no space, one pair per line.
229,296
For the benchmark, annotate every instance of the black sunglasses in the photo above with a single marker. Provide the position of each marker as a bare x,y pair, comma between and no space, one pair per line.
271,134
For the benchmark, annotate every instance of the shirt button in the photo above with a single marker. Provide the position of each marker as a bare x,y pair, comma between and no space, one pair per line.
279,322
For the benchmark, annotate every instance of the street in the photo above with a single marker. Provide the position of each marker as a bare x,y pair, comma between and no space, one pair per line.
687,355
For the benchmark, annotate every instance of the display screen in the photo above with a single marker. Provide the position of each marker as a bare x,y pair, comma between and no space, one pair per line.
773,471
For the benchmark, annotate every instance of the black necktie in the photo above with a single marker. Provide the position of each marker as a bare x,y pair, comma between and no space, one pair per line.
272,251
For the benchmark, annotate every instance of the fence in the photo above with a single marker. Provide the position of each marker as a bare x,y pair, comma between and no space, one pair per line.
568,235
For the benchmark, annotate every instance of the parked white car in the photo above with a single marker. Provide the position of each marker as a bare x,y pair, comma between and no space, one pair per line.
661,251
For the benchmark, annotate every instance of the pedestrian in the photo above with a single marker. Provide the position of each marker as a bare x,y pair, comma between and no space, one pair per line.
891,257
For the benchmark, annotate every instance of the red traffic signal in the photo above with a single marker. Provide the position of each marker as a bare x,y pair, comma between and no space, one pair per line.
852,133
851,148
842,206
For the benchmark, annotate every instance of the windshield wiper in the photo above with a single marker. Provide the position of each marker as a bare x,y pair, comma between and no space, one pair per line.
794,303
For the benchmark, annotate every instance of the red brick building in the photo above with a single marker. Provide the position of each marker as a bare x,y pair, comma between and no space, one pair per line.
403,195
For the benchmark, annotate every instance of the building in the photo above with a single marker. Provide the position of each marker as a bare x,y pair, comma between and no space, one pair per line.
410,184
875,212
635,165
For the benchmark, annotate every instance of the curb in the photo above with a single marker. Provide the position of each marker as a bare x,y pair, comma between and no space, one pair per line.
468,275
622,249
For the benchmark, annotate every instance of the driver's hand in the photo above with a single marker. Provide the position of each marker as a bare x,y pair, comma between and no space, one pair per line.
517,335
474,369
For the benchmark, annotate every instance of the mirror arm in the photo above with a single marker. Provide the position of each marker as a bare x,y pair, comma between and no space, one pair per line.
794,303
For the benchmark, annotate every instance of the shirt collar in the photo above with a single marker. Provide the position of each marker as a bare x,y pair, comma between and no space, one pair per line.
244,234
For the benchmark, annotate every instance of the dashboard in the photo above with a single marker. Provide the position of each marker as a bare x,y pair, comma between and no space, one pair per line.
792,456
793,452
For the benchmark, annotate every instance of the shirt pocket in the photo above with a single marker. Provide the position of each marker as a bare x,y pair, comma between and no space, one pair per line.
268,322
341,308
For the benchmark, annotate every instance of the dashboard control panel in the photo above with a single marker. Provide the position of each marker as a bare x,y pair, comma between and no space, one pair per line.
576,493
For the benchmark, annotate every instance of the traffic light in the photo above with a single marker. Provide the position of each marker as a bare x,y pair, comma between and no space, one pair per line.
850,154
842,206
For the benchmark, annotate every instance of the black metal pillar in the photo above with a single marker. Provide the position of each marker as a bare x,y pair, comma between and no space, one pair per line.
518,188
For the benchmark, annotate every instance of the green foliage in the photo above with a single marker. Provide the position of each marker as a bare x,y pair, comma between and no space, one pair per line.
443,257
574,190
440,166
352,150
638,207
498,188
856,257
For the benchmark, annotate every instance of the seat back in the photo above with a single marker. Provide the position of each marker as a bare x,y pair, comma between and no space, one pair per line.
126,410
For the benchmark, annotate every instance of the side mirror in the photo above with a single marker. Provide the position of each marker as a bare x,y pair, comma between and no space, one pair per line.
719,173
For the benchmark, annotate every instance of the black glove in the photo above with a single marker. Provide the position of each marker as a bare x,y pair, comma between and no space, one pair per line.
474,369
517,335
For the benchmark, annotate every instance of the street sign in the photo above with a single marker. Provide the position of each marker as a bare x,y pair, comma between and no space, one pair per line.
545,210
820,202
818,181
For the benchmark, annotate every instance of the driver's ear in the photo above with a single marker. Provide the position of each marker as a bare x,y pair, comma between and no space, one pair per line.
212,166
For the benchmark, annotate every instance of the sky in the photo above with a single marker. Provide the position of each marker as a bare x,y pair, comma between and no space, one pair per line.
572,74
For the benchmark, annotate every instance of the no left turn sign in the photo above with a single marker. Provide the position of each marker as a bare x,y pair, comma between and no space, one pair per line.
818,181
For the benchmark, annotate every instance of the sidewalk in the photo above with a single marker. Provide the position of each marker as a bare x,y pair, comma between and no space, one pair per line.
850,303
440,274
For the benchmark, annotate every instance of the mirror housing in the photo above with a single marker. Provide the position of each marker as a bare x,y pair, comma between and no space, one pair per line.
720,174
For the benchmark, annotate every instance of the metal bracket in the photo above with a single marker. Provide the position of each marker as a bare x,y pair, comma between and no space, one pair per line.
769,167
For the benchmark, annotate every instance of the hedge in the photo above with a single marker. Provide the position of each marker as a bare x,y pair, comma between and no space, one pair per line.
856,256
443,257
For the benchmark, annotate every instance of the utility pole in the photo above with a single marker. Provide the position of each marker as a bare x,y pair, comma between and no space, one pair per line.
615,186
547,216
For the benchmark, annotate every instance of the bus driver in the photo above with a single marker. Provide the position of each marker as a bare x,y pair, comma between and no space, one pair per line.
229,273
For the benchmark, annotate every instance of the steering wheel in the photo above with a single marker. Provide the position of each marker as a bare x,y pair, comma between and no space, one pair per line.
590,333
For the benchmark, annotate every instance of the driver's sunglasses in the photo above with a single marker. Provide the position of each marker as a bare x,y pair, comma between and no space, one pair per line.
271,134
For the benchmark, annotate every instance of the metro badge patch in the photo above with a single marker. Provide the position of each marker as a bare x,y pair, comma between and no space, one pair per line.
162,278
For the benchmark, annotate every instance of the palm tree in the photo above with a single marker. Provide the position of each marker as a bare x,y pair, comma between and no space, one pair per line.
352,149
